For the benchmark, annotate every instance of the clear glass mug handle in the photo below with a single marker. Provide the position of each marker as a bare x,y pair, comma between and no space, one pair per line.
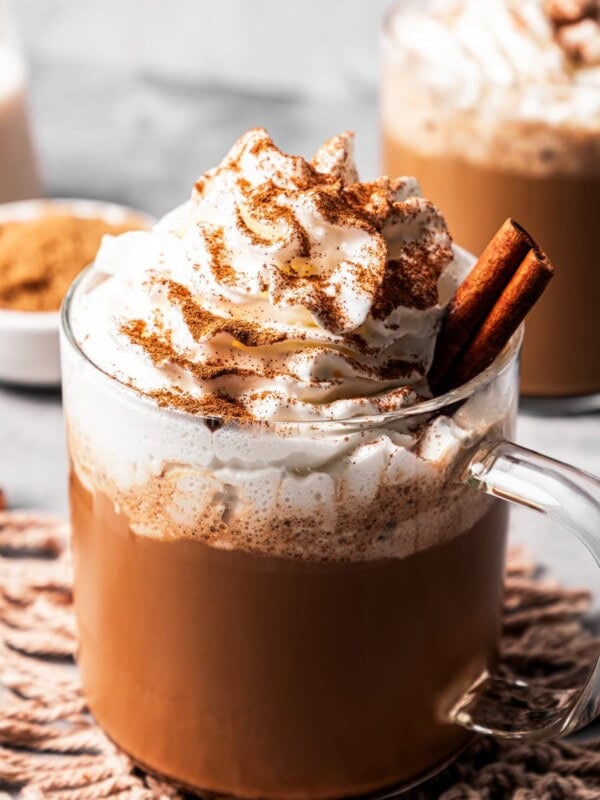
514,709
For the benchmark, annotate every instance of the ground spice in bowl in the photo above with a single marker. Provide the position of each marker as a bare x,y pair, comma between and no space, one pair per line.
40,257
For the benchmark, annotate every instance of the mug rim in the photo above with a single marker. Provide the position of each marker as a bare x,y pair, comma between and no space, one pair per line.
498,367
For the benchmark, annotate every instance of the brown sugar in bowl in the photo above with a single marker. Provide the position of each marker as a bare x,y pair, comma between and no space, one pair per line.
43,245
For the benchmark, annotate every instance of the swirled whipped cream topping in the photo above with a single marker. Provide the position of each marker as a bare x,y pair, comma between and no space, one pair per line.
506,42
282,290
510,83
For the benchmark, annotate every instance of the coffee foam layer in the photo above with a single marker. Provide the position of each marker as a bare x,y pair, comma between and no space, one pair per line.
302,491
490,83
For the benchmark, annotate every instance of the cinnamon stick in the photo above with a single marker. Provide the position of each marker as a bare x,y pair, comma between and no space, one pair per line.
476,296
515,302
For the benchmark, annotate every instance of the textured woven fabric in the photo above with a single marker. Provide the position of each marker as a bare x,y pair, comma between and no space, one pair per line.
51,748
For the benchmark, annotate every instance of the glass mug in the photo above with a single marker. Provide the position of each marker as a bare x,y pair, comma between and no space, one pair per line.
484,157
309,609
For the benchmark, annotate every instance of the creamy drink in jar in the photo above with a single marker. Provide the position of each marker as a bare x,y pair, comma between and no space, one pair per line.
496,107
19,178
282,583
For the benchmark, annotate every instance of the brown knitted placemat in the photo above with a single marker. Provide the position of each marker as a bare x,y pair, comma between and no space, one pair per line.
51,748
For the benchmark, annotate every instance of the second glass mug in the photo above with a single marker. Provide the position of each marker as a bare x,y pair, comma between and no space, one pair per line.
311,609
483,152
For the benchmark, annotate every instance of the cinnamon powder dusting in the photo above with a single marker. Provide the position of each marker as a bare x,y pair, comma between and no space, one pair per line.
204,325
221,406
409,281
576,26
263,203
40,258
160,350
215,244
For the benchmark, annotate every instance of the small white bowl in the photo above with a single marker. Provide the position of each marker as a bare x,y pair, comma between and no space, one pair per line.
29,349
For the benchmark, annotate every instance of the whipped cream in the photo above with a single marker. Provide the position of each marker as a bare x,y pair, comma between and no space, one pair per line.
506,42
282,290
515,83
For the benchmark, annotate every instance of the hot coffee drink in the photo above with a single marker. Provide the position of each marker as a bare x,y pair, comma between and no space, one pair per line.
282,586
266,676
19,177
496,107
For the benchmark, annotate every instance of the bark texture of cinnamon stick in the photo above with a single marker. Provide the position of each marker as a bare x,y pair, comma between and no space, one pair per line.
489,306
515,302
476,296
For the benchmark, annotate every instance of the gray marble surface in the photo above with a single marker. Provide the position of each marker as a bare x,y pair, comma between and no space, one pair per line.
132,99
